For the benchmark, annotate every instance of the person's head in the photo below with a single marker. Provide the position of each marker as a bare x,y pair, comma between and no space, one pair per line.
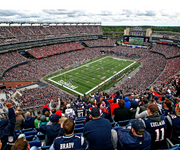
54,118
167,103
147,90
43,118
107,95
68,106
20,144
117,93
137,127
152,109
68,126
53,111
47,113
134,104
27,114
95,112
79,106
126,99
121,103
177,109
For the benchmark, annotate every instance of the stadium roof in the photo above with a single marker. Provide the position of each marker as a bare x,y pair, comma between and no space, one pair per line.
47,23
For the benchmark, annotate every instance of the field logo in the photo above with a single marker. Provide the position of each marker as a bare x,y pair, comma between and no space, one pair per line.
67,84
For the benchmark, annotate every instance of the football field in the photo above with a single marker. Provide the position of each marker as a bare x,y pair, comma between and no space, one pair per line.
88,77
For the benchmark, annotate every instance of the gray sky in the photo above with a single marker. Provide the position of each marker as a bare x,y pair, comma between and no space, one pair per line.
112,12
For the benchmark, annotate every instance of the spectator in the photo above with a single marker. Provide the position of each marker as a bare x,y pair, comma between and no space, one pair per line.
47,115
121,113
7,132
155,124
22,144
173,127
52,131
135,138
28,121
127,102
69,112
46,108
85,99
117,97
167,107
19,121
69,141
54,106
113,106
43,121
98,128
80,112
134,105
143,107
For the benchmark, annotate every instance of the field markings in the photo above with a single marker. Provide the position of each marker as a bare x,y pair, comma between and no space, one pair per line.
50,79
109,78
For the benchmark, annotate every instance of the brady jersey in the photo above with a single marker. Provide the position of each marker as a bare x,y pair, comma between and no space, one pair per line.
174,121
72,142
80,112
69,113
157,131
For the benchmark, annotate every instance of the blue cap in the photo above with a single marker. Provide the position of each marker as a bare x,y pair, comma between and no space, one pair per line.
54,118
138,126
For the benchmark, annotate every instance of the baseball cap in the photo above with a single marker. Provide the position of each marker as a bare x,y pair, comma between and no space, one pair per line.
153,108
138,126
54,118
58,113
156,98
95,112
79,105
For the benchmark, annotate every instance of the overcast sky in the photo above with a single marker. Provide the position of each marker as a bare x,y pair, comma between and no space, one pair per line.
108,12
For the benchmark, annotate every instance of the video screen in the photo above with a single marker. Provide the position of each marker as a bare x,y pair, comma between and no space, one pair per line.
136,41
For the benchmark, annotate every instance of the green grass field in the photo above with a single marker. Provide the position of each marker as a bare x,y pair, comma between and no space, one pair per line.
88,77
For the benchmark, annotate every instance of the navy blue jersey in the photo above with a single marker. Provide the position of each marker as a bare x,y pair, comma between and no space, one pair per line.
73,142
128,141
80,112
98,134
174,121
156,126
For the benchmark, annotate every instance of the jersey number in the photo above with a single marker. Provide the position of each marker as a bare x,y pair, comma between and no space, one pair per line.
158,133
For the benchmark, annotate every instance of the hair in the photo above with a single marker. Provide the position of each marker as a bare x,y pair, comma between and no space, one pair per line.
20,144
68,126
107,95
53,111
117,93
27,114
46,113
169,105
121,103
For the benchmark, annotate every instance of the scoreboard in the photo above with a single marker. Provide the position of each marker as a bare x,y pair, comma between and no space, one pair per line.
136,40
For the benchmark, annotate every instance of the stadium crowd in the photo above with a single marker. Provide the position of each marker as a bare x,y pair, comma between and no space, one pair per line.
11,34
167,50
10,59
100,42
105,120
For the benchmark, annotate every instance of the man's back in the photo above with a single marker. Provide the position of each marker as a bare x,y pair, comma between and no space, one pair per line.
128,141
156,126
121,114
70,143
69,112
98,134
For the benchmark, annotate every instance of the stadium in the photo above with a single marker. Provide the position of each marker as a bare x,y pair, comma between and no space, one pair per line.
43,62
